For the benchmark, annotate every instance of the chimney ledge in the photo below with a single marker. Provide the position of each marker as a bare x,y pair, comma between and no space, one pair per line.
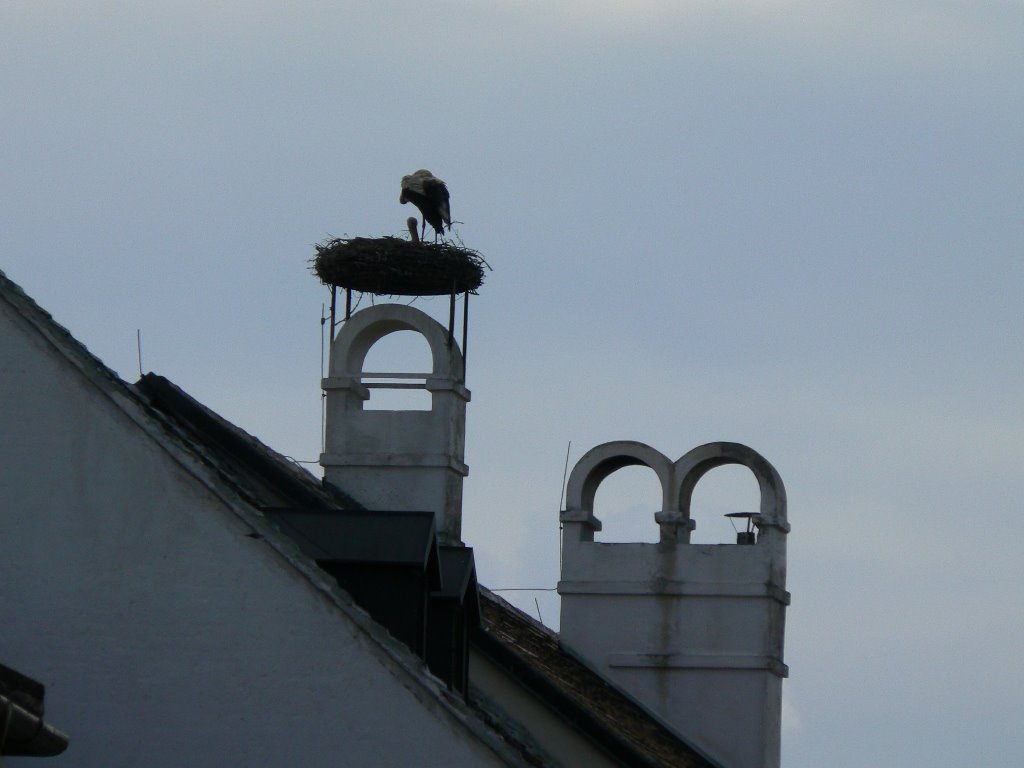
663,587
698,661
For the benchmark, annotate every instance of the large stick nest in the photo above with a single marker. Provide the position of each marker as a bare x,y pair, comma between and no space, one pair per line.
394,266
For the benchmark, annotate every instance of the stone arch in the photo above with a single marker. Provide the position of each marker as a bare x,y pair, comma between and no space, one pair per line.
367,327
599,462
400,350
691,467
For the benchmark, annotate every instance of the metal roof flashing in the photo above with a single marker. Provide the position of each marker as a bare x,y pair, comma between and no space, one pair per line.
24,732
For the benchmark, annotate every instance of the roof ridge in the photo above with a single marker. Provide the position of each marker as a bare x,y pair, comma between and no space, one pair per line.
55,332
206,430
505,604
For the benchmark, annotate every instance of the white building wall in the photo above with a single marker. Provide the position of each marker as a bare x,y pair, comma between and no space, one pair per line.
164,634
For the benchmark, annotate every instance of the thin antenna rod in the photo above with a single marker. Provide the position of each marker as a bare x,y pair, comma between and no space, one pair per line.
539,617
451,316
561,502
565,473
138,346
465,325
323,373
334,299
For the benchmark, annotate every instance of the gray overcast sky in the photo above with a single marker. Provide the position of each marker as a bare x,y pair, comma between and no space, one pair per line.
795,225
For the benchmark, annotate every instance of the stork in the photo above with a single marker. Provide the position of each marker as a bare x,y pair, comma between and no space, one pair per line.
428,193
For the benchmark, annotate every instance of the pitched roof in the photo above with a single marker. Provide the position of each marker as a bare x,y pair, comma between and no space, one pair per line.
72,349
532,653
265,478
249,477
593,705
269,481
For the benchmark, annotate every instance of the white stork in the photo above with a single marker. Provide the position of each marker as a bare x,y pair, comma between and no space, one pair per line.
428,193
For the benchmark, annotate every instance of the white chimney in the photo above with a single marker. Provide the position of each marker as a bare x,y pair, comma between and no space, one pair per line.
397,460
694,632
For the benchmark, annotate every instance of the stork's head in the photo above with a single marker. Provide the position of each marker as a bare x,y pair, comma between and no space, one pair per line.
406,183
